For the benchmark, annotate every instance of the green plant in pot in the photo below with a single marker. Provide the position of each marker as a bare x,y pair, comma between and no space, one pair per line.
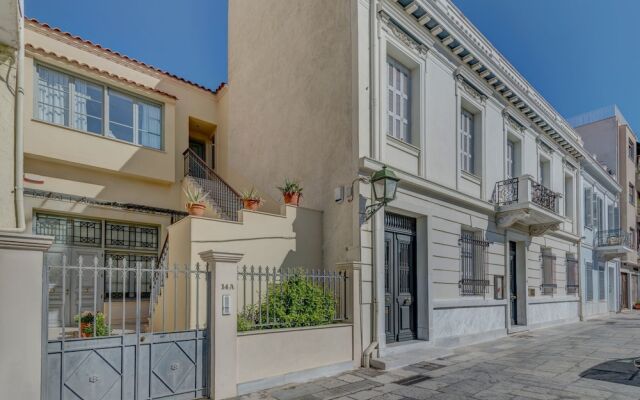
291,191
251,199
87,321
196,198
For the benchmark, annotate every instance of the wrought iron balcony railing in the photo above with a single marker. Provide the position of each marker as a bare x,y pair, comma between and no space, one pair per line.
522,189
613,237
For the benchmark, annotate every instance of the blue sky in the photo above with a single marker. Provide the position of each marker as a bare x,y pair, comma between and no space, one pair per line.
580,54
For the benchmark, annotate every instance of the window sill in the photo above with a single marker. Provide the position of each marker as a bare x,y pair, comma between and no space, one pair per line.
471,177
403,146
98,135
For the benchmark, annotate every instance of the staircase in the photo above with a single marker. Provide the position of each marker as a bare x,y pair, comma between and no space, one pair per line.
223,198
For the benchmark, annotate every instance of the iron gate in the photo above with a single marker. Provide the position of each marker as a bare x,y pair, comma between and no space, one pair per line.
145,343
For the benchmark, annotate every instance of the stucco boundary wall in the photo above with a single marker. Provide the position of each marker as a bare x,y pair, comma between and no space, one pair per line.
249,361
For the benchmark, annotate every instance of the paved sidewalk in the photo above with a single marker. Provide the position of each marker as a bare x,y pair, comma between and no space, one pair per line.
588,360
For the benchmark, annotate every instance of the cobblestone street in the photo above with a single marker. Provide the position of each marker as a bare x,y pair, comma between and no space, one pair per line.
588,360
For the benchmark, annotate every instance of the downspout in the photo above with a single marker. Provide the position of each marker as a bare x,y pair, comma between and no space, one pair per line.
18,131
366,356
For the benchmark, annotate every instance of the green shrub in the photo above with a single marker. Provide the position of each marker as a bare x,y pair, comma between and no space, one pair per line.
293,303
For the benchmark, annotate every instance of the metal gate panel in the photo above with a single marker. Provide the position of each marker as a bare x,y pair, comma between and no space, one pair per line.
124,363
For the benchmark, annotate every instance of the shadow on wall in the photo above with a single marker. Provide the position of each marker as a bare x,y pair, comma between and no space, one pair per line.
624,371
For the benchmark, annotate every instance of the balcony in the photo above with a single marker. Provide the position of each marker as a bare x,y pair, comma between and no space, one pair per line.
613,243
524,201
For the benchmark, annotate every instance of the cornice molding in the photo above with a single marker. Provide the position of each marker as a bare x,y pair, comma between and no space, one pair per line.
471,90
390,26
22,241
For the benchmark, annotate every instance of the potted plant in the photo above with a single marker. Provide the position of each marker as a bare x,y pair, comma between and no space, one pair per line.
637,305
251,199
196,198
291,191
87,321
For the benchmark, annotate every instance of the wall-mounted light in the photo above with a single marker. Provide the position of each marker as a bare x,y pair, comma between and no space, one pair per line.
385,185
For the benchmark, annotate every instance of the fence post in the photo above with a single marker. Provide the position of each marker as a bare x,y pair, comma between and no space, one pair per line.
23,297
223,322
352,269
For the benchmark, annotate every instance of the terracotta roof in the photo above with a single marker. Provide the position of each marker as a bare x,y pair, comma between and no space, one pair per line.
94,69
122,56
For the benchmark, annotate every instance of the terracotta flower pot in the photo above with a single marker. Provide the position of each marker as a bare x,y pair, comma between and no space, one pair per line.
251,204
291,198
83,328
636,306
196,209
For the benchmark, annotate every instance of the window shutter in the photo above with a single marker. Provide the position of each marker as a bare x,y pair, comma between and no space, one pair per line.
588,210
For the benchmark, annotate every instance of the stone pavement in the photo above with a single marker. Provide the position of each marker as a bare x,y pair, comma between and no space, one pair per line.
587,360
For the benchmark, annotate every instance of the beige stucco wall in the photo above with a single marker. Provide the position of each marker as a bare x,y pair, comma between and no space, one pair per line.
290,106
7,103
294,349
627,170
78,163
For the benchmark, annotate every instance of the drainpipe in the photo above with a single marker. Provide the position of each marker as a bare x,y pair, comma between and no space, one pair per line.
366,357
18,131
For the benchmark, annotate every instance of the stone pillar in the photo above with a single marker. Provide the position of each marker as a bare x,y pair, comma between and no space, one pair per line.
223,382
21,308
353,301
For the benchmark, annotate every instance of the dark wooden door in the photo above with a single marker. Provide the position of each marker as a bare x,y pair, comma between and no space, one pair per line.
513,292
400,278
624,291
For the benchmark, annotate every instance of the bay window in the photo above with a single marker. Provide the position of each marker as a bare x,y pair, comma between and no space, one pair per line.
69,101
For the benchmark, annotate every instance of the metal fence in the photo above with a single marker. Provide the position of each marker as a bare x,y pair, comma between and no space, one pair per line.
109,347
226,200
268,296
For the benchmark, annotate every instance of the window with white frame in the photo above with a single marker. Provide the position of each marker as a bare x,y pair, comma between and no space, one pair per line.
66,100
588,278
598,216
473,263
588,208
548,284
511,162
544,172
467,141
399,100
601,295
568,196
631,150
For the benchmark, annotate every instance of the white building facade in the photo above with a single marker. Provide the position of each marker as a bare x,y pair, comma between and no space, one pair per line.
603,241
483,237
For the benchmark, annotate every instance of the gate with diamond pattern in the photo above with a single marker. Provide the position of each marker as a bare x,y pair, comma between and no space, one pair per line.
112,352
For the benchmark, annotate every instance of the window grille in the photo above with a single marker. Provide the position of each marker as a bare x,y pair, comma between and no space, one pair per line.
124,285
131,236
511,170
69,231
588,279
601,295
399,88
548,285
572,275
467,141
473,263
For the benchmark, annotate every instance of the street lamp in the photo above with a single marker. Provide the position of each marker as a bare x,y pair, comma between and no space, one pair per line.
385,185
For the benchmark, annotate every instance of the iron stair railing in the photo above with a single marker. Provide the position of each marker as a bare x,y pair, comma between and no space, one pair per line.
159,275
223,197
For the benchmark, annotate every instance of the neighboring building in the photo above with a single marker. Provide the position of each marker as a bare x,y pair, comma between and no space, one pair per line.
603,242
608,135
489,170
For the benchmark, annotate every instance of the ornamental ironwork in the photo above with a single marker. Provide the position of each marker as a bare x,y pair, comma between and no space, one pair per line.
506,192
543,196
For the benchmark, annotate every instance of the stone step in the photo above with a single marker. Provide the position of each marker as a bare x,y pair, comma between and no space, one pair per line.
398,356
